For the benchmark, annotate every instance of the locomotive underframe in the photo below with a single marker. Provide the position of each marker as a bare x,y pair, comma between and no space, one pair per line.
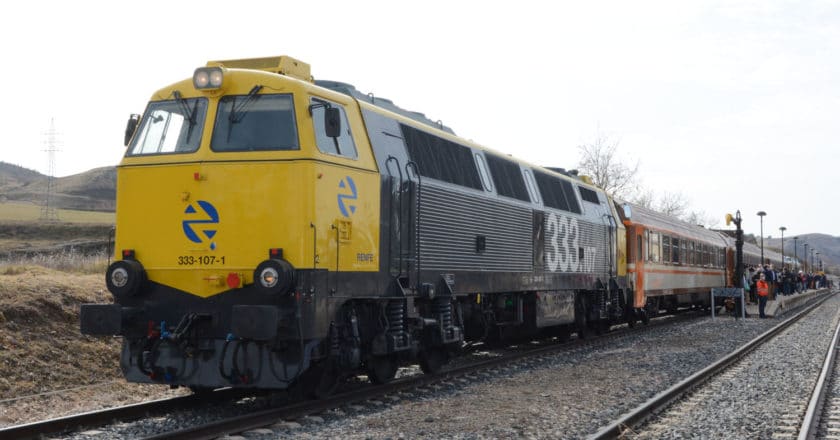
244,338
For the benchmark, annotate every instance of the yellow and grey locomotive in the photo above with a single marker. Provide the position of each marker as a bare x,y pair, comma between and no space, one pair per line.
272,229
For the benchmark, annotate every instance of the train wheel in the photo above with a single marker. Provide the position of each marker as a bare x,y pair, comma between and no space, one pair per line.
381,369
643,315
432,360
601,327
630,316
327,384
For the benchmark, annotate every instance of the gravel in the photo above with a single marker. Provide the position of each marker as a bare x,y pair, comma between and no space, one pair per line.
568,395
765,395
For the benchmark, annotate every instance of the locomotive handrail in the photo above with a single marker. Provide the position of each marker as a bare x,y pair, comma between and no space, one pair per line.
391,214
411,165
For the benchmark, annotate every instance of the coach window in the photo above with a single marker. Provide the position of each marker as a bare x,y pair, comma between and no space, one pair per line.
482,172
700,261
666,249
675,246
342,145
691,260
653,248
684,251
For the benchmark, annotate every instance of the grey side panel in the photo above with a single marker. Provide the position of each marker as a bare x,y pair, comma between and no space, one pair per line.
452,222
386,139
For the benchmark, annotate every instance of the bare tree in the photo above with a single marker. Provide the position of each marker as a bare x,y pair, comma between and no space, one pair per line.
701,218
646,198
673,204
599,161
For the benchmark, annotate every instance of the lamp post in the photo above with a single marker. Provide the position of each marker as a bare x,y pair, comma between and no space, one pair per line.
805,265
795,255
783,229
739,248
761,215
812,259
818,257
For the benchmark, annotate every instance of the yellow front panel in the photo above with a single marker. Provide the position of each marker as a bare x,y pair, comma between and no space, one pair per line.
192,225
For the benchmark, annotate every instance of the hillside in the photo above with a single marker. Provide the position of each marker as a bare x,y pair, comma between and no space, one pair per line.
828,246
93,190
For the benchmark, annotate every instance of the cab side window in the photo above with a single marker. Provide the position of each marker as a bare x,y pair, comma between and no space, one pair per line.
342,145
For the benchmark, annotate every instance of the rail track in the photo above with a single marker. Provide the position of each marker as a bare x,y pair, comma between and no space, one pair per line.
628,424
77,422
822,417
463,373
467,371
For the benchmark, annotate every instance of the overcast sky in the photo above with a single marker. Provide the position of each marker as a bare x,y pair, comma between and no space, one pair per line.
733,103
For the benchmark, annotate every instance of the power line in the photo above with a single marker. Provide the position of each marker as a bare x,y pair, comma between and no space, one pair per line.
48,211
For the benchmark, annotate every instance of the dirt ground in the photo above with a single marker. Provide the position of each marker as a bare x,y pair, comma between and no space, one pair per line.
47,367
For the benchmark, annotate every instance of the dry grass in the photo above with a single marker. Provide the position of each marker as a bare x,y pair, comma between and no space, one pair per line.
42,350
65,261
18,211
47,270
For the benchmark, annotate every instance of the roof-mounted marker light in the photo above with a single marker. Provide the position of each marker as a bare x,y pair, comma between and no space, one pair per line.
208,78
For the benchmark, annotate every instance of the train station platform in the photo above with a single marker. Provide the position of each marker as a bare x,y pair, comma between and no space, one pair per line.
781,304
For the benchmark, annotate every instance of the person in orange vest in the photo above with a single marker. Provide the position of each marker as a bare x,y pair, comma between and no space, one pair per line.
762,289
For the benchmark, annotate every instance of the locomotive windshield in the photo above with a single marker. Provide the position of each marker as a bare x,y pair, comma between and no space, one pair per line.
170,127
255,122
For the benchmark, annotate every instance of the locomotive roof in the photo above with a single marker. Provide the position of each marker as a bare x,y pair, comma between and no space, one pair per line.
388,105
350,90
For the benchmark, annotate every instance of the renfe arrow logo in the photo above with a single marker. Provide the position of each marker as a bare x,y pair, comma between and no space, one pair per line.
205,215
344,206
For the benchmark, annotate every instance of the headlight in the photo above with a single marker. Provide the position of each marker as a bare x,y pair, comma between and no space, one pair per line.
216,78
274,276
208,77
269,277
125,278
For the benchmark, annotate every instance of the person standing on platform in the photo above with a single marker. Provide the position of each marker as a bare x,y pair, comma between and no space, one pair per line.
762,290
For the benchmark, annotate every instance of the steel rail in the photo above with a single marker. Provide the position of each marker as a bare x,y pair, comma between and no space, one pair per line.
623,425
815,405
122,413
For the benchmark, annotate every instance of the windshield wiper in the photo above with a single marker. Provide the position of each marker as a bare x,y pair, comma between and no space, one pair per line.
190,114
238,112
